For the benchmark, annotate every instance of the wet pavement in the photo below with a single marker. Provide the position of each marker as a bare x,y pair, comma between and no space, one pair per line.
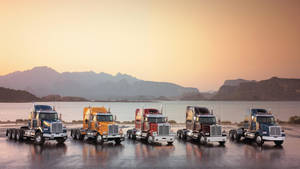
134,154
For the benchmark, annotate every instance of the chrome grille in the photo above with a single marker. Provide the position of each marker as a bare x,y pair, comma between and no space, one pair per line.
56,127
274,131
113,129
215,130
163,130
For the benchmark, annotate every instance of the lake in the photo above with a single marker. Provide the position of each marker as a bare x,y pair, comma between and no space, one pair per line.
225,110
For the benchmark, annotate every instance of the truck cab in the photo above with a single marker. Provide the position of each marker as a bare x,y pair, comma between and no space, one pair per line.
98,125
43,124
151,125
260,125
201,126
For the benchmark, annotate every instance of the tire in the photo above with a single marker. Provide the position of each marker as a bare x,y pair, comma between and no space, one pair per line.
10,134
39,139
73,134
133,137
99,139
13,134
18,135
259,141
148,140
180,135
278,143
236,137
118,141
60,140
170,143
78,135
222,143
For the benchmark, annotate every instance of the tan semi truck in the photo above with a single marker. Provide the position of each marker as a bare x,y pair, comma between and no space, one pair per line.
98,125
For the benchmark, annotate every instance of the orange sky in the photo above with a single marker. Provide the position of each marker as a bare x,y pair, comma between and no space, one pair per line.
191,43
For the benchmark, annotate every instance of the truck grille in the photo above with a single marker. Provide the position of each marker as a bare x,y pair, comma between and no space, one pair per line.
113,129
56,127
215,130
274,131
163,130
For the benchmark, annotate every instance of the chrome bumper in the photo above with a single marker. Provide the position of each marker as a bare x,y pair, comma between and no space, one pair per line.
162,139
113,136
53,136
273,138
215,139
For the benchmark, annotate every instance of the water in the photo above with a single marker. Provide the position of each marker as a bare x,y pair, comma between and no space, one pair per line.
225,110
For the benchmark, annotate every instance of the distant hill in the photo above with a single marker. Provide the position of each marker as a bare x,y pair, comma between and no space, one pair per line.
51,98
44,81
10,95
272,89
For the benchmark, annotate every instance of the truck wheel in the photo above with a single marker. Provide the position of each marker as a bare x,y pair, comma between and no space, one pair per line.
222,143
73,134
278,143
13,134
149,141
259,141
118,141
39,139
170,143
99,139
180,135
236,137
78,135
18,135
60,140
10,134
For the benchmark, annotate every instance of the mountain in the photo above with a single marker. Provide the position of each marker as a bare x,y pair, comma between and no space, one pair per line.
44,81
236,82
10,95
271,89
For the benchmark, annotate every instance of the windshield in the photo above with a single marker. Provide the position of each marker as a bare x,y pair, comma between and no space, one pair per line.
48,116
108,118
156,119
207,120
266,120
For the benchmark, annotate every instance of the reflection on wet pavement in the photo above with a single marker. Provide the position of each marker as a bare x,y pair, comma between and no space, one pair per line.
135,154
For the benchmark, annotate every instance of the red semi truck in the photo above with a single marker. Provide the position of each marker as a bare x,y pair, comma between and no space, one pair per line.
151,125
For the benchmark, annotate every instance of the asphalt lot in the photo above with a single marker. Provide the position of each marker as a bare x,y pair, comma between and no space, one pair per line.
134,154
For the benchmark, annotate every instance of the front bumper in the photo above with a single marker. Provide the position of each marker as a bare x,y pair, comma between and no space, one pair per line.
113,137
215,139
273,138
52,136
162,139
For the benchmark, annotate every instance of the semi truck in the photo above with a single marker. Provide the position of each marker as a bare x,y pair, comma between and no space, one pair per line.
201,126
259,126
43,124
98,125
152,126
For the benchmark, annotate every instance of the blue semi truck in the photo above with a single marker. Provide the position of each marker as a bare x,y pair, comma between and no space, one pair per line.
43,125
259,126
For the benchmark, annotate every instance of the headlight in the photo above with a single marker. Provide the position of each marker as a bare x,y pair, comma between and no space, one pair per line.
154,133
207,134
264,132
189,133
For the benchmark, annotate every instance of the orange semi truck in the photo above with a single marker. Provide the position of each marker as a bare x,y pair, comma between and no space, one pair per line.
98,125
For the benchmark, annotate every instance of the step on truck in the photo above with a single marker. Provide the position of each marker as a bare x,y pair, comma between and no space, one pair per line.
201,126
99,126
43,124
152,126
259,126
